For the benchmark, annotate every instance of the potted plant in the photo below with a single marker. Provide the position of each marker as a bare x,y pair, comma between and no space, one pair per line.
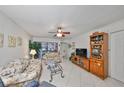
36,46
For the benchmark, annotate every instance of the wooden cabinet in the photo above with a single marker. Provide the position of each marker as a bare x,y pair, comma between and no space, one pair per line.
81,62
99,54
98,62
86,64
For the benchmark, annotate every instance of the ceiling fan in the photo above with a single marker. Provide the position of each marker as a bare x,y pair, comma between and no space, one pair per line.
59,33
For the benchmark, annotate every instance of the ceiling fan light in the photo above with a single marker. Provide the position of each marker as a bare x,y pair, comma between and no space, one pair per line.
59,30
59,35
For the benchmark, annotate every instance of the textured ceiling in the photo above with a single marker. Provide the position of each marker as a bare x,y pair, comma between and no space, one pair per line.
39,20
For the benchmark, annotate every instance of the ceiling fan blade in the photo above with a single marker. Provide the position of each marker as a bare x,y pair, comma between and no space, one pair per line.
52,32
66,32
54,35
63,35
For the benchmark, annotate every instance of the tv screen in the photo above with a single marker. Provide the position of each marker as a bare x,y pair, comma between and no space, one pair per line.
81,52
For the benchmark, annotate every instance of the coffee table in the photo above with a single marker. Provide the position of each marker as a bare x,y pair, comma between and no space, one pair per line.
55,68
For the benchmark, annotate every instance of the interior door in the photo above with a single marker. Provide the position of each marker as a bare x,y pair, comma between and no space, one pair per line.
117,55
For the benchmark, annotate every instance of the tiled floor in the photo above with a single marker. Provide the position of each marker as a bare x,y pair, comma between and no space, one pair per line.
77,77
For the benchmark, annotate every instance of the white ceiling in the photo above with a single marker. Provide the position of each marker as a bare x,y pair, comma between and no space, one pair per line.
39,20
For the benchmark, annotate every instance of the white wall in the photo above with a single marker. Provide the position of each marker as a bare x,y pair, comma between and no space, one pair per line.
83,40
8,27
117,55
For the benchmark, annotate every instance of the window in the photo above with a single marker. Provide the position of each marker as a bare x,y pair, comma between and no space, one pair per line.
49,47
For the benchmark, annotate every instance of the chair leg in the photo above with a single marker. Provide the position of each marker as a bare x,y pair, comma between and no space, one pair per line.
51,78
62,74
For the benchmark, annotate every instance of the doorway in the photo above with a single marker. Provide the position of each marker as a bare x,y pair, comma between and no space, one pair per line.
117,55
64,50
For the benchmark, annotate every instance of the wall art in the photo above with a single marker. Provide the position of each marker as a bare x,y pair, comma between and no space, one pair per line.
1,40
11,41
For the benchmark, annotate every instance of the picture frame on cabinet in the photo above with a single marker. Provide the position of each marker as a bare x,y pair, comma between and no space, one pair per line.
1,40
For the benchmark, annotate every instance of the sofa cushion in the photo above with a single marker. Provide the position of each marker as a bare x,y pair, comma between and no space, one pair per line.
20,65
32,83
7,71
14,67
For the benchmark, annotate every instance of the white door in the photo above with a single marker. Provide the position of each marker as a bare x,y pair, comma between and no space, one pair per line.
117,55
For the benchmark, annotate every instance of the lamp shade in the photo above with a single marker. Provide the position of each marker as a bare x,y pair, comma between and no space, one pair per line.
33,52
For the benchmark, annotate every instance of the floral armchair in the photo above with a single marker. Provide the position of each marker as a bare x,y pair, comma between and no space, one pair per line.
21,70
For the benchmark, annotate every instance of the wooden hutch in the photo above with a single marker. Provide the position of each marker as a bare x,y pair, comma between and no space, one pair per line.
99,54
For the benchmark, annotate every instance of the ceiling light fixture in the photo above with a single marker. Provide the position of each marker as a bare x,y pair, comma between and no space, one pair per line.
59,34
59,30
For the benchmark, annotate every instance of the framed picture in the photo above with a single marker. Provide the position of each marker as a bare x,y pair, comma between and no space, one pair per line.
1,40
73,45
11,41
19,41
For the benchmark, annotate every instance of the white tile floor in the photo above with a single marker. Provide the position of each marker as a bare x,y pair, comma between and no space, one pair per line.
77,77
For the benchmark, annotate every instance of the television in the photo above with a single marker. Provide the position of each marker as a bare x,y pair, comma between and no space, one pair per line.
96,52
81,52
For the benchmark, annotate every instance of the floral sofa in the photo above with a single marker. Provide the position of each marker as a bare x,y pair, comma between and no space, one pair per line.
16,73
55,56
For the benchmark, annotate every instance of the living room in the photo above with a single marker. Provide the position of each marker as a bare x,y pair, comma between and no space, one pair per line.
21,24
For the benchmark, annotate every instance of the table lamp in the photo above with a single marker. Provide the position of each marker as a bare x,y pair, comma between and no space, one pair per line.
33,52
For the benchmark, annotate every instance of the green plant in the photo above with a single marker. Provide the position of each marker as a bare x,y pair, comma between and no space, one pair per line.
36,46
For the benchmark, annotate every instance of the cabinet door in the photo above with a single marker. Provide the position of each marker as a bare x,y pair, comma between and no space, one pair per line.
96,67
100,71
91,66
86,63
